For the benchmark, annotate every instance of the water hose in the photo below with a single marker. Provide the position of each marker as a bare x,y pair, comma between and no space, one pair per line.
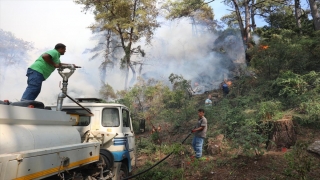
130,177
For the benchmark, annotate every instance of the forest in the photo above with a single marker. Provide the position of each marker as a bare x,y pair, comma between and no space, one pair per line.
266,127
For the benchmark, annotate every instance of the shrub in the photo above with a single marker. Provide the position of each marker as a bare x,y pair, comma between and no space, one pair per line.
299,161
267,110
311,108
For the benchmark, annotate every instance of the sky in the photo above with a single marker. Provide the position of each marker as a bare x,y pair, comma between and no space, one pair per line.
48,22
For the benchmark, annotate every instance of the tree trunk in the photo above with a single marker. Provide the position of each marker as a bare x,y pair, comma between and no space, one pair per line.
315,14
282,134
239,18
127,51
140,70
297,10
247,21
127,76
103,65
103,73
253,21
134,76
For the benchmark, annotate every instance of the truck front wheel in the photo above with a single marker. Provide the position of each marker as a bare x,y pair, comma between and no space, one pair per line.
124,172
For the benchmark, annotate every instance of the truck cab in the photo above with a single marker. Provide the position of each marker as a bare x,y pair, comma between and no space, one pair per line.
110,125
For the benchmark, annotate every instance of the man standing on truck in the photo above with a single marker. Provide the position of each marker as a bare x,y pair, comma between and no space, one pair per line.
200,133
41,69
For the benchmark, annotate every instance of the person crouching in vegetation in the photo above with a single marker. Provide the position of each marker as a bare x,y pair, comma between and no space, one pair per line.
208,101
225,88
199,133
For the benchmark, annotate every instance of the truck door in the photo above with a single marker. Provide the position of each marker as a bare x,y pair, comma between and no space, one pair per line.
128,132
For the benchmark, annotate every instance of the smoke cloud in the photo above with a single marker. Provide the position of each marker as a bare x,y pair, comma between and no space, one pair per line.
200,56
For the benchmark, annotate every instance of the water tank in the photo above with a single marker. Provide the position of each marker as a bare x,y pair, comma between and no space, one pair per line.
23,129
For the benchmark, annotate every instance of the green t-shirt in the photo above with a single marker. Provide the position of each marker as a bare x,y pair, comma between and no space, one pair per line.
43,67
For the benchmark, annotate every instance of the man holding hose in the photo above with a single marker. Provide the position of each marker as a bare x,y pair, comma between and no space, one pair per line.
41,69
200,133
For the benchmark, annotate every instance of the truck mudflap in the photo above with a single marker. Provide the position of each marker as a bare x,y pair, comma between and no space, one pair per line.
41,163
120,156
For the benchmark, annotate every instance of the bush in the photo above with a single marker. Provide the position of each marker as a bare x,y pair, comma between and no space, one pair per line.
311,109
267,110
299,161
290,84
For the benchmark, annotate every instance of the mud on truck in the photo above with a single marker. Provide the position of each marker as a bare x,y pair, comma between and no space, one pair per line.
84,140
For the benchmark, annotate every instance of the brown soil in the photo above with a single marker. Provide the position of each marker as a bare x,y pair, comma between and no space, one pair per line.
224,166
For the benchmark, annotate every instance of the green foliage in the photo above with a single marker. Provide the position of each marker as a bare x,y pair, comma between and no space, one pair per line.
312,79
145,99
240,126
136,126
178,82
130,20
293,89
284,52
125,22
267,110
155,102
285,19
311,109
299,161
146,146
247,138
187,8
175,148
230,19
179,106
290,84
155,137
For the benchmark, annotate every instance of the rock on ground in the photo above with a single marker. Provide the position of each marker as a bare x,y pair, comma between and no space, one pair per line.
315,147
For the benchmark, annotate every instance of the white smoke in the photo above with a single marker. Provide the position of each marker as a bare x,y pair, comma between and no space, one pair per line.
256,39
175,48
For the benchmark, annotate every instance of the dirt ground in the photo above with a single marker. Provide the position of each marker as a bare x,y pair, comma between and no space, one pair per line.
270,165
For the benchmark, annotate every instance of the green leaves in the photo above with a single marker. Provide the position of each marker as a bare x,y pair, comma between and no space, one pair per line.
268,109
198,10
285,51
290,84
127,22
300,163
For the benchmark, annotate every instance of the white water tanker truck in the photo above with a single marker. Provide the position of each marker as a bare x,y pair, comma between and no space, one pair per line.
86,140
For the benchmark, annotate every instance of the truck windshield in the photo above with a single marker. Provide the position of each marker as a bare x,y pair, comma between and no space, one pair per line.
110,117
